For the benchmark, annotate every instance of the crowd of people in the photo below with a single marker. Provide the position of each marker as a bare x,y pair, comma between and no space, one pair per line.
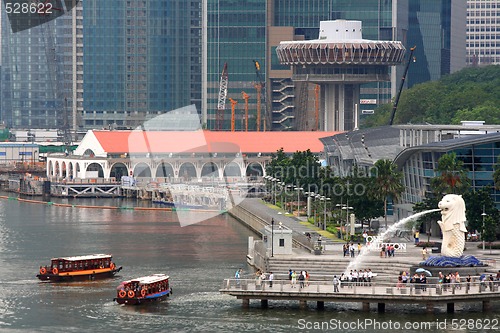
350,250
419,281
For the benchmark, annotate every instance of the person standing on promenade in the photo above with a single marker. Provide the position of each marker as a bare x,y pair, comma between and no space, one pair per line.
351,250
336,283
302,278
343,279
237,276
294,279
271,278
417,236
424,253
468,279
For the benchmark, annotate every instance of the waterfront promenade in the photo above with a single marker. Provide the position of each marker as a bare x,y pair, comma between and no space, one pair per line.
332,261
381,293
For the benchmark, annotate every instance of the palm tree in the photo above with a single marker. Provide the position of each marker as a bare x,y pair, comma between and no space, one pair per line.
388,182
452,178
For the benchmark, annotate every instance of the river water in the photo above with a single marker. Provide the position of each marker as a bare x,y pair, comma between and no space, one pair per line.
197,257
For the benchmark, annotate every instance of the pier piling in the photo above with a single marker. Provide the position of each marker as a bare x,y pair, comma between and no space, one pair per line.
264,303
366,306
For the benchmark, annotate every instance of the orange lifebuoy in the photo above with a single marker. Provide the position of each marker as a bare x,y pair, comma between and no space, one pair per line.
143,292
43,270
112,265
131,294
55,271
122,294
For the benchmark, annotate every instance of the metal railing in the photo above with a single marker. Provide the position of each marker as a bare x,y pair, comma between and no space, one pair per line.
362,288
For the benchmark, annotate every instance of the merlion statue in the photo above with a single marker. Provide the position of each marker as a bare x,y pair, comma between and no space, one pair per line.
453,225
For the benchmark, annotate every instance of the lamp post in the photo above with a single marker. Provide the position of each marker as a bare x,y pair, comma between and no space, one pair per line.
346,207
298,189
272,237
325,199
317,196
310,196
267,178
275,180
282,186
324,213
482,232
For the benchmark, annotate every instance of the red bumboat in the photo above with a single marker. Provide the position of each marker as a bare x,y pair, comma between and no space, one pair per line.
79,268
145,289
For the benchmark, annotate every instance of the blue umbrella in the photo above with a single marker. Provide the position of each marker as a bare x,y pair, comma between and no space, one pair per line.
422,270
482,276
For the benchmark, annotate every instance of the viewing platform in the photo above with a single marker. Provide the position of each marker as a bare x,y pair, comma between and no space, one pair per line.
427,295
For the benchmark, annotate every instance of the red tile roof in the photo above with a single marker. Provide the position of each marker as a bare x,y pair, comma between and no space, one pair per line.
117,142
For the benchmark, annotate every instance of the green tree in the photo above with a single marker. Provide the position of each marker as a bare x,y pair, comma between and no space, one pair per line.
496,174
428,203
489,232
476,202
366,205
490,114
388,182
452,178
469,94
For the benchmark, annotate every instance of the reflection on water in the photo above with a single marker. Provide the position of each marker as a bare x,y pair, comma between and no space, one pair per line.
197,258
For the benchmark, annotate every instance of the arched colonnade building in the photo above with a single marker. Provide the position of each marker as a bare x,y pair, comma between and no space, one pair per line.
178,156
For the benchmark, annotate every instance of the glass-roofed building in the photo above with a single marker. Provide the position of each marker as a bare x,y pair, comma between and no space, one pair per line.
416,150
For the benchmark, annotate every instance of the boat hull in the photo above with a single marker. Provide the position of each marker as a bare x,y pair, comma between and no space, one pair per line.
143,300
76,276
179,205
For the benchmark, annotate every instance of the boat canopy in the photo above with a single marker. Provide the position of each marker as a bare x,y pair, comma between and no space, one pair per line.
86,257
150,279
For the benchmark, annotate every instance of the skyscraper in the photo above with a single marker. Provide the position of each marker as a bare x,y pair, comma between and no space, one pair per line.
140,58
111,63
437,29
36,71
236,35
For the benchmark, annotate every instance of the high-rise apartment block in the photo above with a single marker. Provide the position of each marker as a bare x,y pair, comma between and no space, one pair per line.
483,32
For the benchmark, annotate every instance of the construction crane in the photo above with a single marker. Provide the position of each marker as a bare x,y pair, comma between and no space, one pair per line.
233,106
221,103
246,97
259,86
396,100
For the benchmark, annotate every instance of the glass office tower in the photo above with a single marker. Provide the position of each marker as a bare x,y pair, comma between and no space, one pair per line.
141,58
437,28
236,35
36,71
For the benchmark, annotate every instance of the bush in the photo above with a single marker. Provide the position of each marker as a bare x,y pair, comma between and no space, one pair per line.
495,246
429,244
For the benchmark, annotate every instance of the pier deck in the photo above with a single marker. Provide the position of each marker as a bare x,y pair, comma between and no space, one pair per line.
427,295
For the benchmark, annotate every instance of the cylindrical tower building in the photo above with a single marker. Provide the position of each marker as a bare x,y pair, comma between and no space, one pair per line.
340,61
